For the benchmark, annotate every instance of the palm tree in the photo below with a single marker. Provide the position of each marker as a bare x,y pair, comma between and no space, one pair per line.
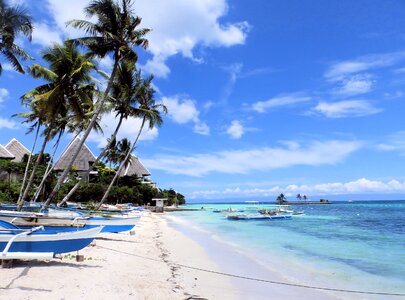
31,116
115,32
304,198
281,198
66,98
122,149
110,152
299,197
13,21
149,110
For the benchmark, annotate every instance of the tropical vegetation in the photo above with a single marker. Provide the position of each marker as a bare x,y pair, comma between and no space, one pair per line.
69,100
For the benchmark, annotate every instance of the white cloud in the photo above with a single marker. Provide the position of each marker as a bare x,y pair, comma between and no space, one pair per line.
235,130
106,62
178,27
8,124
394,142
8,67
201,128
129,129
360,186
261,159
263,106
195,23
339,70
64,11
157,66
45,35
3,94
345,109
183,111
355,85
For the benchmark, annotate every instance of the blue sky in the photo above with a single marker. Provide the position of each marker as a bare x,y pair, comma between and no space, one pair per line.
264,96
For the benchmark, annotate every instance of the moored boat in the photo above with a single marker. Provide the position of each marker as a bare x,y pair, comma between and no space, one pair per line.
61,222
16,242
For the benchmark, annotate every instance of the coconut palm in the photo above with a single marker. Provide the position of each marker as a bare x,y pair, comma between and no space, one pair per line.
281,198
115,32
149,111
299,197
67,97
305,198
13,21
30,117
123,146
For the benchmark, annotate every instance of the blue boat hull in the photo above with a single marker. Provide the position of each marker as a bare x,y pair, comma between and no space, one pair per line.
57,247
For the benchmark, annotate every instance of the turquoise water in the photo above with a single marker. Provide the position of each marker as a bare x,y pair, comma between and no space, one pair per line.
347,245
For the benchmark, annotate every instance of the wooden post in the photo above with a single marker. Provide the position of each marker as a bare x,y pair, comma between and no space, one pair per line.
6,263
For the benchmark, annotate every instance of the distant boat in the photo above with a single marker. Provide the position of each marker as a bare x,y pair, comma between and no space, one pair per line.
252,217
259,217
36,242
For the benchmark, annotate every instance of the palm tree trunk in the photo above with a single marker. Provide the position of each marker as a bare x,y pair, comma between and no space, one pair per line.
127,156
100,156
34,169
48,170
85,135
19,202
71,192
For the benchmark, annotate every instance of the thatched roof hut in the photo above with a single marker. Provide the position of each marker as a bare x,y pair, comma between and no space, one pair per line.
135,167
17,149
83,160
5,154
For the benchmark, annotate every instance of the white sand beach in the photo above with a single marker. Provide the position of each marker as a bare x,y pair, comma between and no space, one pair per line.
141,266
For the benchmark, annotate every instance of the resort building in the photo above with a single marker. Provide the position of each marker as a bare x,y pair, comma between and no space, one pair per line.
135,167
5,154
82,162
17,149
13,151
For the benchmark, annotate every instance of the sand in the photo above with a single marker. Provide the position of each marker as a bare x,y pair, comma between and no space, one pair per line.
152,264
122,266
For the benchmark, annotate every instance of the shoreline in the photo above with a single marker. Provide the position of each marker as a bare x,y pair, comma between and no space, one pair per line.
163,260
122,266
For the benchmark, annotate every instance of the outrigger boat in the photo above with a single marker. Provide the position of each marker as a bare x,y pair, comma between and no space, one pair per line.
68,221
18,243
259,217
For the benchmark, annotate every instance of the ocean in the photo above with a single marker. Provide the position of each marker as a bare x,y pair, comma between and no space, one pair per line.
357,246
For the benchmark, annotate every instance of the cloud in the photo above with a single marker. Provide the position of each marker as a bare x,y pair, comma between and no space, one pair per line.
183,111
339,70
346,109
359,186
8,124
157,66
194,24
3,94
129,129
394,142
9,67
355,85
45,35
287,100
235,130
64,11
261,159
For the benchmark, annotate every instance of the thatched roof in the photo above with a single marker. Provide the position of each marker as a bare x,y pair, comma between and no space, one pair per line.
5,154
134,168
81,162
17,149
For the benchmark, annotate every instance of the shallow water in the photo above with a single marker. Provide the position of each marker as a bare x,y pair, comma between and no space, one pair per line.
357,246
